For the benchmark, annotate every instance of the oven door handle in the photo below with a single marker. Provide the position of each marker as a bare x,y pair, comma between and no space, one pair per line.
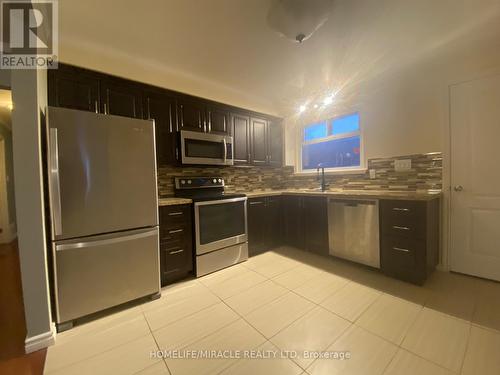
219,201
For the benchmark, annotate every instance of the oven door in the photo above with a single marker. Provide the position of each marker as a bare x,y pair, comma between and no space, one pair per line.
220,223
203,148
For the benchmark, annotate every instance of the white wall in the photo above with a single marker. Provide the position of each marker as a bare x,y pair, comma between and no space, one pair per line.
29,94
404,112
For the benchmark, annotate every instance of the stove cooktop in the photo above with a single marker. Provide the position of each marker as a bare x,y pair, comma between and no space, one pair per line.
202,189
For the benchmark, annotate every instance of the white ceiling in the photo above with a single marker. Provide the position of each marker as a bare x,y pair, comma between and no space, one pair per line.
227,44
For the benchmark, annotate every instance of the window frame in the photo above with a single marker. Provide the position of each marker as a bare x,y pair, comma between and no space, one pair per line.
339,170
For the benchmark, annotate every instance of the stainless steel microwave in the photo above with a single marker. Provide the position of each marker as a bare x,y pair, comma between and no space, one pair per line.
206,148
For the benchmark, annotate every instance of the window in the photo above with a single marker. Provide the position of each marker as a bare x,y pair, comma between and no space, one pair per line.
335,144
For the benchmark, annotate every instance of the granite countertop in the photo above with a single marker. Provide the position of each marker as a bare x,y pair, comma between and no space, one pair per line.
171,201
378,194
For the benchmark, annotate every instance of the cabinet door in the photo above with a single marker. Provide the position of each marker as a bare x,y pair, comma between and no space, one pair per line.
73,88
218,120
275,141
241,138
315,214
161,108
121,98
191,114
257,226
275,222
293,232
258,142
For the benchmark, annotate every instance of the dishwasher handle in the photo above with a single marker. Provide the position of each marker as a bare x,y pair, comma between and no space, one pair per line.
354,202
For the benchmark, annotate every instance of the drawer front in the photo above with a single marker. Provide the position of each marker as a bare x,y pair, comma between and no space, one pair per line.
175,216
400,252
174,233
403,218
403,258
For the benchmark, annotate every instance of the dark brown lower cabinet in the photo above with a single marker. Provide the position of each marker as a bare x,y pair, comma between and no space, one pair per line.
264,224
305,221
409,238
176,244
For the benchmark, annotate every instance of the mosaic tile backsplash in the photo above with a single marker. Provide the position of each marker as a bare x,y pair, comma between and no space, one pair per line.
425,174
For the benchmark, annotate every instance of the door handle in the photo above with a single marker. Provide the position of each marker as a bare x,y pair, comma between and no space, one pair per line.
108,241
225,149
55,186
257,202
458,188
175,231
401,249
400,228
176,252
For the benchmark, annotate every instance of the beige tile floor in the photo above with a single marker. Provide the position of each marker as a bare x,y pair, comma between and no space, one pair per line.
286,308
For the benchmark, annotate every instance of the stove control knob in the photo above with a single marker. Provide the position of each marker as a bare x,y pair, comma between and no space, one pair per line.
189,182
183,182
220,180
214,181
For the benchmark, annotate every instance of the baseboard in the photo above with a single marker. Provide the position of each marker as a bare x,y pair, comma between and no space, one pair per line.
43,340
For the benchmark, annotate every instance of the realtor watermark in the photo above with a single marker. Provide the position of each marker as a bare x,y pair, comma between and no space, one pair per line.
29,34
249,354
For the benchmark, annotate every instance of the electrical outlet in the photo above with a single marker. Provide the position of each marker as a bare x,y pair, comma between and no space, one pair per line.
373,174
402,165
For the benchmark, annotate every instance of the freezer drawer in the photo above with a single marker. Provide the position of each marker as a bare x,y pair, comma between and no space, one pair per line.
354,230
94,273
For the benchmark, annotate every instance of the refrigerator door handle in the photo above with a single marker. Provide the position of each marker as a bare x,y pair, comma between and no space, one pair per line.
108,241
55,186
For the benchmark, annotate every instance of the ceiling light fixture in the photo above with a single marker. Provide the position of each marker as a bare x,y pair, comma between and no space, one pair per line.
297,20
302,108
316,106
328,100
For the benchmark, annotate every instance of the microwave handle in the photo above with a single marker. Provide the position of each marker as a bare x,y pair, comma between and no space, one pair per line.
225,150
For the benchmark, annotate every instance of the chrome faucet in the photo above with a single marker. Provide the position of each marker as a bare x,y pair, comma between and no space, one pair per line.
323,184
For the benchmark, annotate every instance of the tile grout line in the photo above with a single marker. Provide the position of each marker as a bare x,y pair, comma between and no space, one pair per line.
157,344
466,348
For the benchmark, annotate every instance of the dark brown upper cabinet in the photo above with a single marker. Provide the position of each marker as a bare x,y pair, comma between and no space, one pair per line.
241,138
275,142
258,141
121,98
160,107
257,138
191,113
218,120
73,88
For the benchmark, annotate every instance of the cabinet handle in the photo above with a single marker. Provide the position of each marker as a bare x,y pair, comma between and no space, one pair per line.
174,213
105,109
96,107
258,202
176,252
401,209
400,228
401,249
175,231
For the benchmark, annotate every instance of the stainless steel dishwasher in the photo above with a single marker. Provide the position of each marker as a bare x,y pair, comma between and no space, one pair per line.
353,230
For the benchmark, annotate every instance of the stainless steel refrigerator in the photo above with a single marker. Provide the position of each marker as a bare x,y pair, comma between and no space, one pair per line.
104,211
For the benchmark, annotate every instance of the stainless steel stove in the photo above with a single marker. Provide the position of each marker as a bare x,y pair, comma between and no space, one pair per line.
220,222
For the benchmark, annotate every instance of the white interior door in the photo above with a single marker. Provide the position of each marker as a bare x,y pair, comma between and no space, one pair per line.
475,178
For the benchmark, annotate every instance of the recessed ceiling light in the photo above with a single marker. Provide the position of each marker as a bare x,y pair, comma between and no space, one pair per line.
302,108
315,106
328,100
